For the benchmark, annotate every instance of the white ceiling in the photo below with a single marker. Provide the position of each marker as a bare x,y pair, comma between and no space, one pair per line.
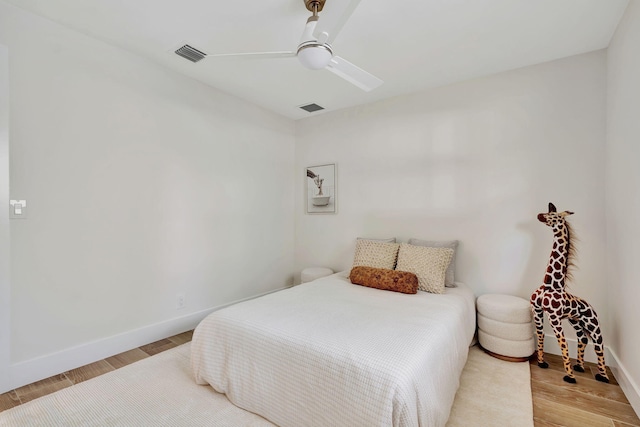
410,44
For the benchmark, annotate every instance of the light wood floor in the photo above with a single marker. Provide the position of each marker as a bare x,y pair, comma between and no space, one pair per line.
588,403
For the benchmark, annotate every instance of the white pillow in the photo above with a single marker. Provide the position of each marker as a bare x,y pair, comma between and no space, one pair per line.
389,240
428,263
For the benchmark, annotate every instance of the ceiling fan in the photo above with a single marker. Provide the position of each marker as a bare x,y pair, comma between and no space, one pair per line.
315,51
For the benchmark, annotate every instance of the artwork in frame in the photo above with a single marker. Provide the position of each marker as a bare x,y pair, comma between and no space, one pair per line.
321,189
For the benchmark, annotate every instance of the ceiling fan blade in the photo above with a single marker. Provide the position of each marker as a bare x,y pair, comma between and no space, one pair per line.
332,19
353,74
254,55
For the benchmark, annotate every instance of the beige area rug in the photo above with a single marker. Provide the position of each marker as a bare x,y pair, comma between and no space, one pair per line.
159,391
492,392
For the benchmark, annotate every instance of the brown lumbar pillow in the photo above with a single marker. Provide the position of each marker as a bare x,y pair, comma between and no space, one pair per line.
385,279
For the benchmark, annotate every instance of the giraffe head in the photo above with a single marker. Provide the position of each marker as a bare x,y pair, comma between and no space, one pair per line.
553,218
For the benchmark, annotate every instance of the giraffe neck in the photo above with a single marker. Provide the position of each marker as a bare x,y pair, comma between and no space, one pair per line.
559,260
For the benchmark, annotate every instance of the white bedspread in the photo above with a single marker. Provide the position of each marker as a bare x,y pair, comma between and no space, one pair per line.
329,353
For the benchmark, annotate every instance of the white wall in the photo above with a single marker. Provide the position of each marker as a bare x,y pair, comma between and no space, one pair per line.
474,161
623,196
141,184
5,290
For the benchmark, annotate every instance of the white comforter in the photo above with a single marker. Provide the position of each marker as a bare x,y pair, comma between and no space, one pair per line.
329,353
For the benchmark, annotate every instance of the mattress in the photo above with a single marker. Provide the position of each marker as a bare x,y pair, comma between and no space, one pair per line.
330,353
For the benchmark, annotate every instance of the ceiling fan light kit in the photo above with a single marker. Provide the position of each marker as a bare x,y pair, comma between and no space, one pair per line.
314,56
315,52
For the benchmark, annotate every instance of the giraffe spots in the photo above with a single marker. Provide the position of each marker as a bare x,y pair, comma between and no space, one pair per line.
587,313
547,279
558,275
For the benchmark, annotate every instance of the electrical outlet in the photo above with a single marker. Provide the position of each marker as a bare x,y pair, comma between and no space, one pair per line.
180,301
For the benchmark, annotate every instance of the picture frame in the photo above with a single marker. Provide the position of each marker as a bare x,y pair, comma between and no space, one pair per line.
321,185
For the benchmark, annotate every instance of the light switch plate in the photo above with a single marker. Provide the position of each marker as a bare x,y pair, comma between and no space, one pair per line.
17,209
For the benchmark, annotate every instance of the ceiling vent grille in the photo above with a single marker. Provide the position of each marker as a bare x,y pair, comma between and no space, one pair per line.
311,108
190,53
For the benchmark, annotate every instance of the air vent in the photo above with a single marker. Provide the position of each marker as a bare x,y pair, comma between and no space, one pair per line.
190,53
312,107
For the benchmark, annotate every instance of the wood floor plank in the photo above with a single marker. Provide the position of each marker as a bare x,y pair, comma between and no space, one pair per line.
43,387
551,413
9,400
89,371
621,424
126,358
158,346
182,338
588,403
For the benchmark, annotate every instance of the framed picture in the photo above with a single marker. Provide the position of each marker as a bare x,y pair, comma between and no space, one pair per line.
321,189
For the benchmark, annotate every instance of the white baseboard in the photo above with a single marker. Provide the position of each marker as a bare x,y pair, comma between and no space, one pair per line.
36,369
551,346
628,385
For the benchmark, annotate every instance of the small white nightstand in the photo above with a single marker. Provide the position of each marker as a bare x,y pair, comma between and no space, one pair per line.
313,273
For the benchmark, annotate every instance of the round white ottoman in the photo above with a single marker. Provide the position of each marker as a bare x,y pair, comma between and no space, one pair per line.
313,273
505,327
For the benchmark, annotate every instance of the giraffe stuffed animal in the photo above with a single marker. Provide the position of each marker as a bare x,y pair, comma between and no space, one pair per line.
552,298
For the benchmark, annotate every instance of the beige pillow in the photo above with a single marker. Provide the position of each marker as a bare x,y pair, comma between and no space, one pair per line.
449,277
372,253
428,263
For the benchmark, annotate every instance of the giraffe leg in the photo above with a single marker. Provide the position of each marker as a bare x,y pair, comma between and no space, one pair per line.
582,344
538,318
591,325
566,361
598,346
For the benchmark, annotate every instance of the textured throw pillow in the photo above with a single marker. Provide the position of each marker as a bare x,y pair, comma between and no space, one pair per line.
429,264
371,253
449,278
385,279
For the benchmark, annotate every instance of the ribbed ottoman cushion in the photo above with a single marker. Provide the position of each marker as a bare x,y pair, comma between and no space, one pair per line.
506,347
504,325
504,308
507,331
313,273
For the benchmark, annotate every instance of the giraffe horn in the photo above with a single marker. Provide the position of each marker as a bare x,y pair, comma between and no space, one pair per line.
552,207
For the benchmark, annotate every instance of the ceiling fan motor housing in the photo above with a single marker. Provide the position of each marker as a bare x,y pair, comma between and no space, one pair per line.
318,4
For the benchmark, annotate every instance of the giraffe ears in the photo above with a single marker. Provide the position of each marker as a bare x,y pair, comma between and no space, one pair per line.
552,208
566,213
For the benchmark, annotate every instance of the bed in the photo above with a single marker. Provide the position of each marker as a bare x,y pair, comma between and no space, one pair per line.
330,353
